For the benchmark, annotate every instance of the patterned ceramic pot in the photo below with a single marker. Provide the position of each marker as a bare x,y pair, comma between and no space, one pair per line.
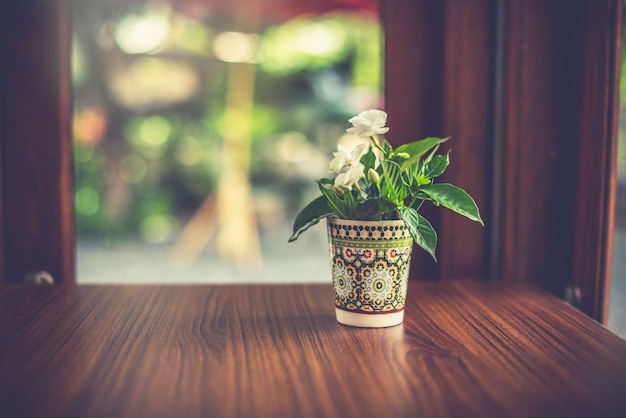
370,269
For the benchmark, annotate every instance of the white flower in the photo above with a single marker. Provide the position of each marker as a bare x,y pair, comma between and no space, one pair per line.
344,159
368,123
341,160
347,179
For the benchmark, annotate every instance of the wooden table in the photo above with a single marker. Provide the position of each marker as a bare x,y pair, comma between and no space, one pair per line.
466,349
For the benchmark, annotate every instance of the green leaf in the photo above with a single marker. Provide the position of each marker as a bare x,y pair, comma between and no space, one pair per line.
413,173
368,159
432,153
416,204
310,215
436,166
422,180
368,210
349,200
421,230
387,148
334,202
417,149
393,185
453,198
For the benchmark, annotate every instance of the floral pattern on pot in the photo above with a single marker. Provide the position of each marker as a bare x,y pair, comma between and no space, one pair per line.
370,264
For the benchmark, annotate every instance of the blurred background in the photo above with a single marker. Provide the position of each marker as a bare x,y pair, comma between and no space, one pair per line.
200,127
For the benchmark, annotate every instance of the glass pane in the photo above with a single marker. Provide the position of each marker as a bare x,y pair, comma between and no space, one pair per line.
617,302
200,128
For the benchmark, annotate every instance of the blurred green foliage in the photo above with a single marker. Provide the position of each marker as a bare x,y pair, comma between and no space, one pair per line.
149,123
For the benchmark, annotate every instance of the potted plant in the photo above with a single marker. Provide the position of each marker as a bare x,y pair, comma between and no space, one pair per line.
372,205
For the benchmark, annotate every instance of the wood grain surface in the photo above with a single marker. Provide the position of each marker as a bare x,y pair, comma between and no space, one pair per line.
466,349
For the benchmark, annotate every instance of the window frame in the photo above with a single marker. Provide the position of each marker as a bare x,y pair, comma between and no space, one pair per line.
465,69
37,228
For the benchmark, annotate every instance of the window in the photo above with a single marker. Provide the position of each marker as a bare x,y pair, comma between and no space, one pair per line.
529,97
199,132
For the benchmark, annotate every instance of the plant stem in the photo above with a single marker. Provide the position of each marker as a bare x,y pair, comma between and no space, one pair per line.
377,144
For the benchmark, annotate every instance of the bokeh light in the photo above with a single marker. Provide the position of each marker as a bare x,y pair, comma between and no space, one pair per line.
132,168
142,33
87,201
237,47
157,229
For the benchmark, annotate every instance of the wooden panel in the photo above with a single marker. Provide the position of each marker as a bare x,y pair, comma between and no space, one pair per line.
439,82
468,90
413,87
413,78
541,68
466,349
533,129
596,174
557,144
36,139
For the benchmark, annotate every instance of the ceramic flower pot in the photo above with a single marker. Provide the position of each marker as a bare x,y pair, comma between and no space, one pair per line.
370,270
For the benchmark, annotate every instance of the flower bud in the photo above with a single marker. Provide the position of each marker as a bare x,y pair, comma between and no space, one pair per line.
373,176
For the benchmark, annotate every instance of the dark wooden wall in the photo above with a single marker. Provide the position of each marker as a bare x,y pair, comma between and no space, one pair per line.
528,91
35,140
